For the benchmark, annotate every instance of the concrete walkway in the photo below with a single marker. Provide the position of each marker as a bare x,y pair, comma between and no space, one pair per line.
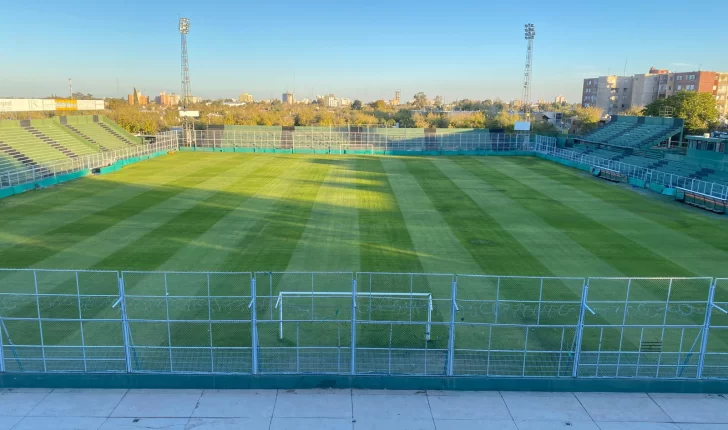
61,409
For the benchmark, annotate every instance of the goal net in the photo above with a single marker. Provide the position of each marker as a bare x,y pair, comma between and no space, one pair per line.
356,148
389,303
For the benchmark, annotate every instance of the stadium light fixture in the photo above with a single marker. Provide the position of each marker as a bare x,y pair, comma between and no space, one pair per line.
530,31
184,25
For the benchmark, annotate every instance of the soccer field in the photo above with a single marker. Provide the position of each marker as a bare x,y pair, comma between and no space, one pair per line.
515,216
240,212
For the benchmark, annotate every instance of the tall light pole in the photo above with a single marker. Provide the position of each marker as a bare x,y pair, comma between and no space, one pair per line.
188,125
530,34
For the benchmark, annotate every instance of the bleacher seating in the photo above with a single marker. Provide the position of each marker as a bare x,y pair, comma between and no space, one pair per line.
29,145
101,136
32,143
635,132
65,138
652,159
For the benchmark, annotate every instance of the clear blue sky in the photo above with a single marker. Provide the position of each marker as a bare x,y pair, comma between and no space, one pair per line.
366,50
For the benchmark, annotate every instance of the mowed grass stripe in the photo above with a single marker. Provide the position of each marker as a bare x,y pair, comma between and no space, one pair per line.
229,198
20,206
154,248
706,227
330,241
36,225
210,251
128,230
36,204
385,244
697,258
120,236
521,216
496,251
43,246
436,244
627,257
270,241
492,248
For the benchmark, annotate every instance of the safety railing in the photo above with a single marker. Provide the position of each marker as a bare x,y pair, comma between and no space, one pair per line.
669,180
345,142
362,323
167,141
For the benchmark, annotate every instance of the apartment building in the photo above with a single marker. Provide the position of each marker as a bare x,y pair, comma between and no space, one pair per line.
615,94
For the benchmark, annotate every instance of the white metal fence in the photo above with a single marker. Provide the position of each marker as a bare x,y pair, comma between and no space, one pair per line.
340,142
167,141
335,142
362,323
670,180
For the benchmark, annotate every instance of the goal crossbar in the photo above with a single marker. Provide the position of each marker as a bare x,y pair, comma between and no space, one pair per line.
368,147
282,294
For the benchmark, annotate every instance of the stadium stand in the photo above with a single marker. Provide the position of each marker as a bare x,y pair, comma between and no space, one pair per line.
100,131
59,137
29,143
31,146
635,132
653,159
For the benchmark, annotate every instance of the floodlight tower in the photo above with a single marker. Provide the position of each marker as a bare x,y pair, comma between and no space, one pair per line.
530,34
188,125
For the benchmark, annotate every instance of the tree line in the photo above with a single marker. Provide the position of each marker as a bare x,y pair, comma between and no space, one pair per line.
698,110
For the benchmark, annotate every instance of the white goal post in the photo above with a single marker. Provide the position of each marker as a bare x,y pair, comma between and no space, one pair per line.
367,147
421,296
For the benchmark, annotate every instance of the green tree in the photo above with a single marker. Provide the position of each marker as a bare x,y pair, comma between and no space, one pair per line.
585,119
634,111
378,105
697,109
421,101
135,98
439,102
356,105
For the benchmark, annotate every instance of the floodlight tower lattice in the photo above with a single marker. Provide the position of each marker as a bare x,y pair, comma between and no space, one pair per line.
530,34
188,124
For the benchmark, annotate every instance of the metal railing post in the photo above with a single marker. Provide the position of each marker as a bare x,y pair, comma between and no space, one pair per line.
2,351
451,340
40,320
254,325
706,329
353,327
80,320
125,323
580,329
169,326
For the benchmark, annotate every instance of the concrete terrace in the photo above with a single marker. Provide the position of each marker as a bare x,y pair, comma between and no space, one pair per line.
61,409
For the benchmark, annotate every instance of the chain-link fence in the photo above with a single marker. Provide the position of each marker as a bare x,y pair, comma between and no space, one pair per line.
362,323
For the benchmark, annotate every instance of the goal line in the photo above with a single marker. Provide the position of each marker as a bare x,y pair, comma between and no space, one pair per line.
421,296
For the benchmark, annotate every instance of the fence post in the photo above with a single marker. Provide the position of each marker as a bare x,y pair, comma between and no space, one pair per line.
353,327
580,329
40,319
2,351
451,340
124,323
254,324
706,329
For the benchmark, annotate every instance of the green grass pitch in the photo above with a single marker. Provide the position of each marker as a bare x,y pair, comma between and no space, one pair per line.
243,212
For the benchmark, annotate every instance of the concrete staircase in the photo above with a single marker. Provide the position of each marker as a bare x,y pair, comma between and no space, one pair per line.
78,132
4,147
35,132
115,134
